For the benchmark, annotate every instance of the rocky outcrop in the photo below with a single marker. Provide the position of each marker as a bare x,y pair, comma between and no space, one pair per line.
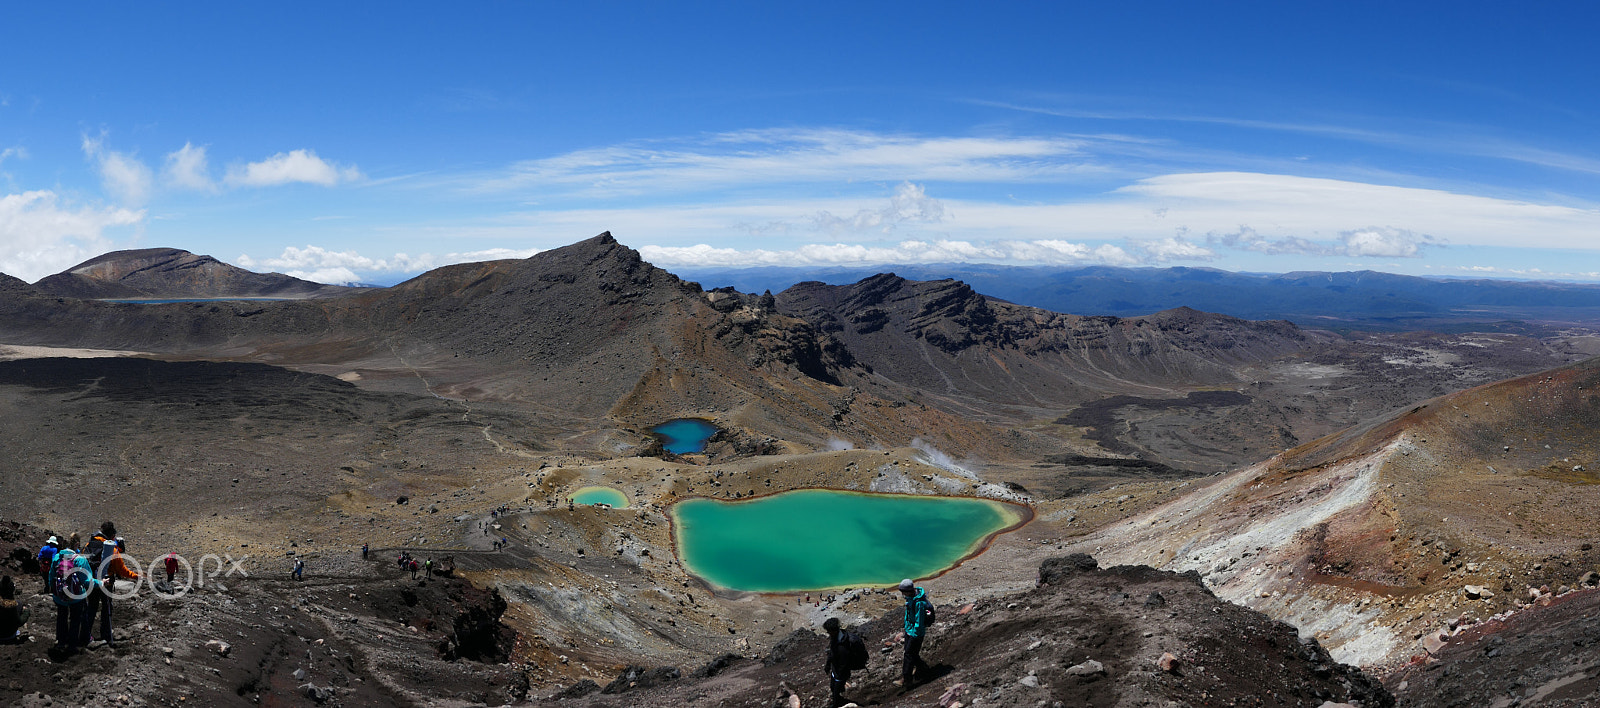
943,337
1084,636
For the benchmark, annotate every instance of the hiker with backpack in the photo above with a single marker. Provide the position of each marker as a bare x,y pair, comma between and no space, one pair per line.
846,652
47,553
70,579
107,565
299,569
919,614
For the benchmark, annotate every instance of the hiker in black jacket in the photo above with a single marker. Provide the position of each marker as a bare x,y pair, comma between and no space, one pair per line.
838,664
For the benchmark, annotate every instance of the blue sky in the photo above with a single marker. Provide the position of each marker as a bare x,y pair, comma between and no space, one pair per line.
373,141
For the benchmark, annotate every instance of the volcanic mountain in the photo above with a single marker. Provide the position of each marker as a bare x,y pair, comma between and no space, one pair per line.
1182,389
170,273
945,339
589,330
1378,538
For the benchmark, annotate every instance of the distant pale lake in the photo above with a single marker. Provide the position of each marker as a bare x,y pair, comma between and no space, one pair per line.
684,435
589,496
196,299
817,539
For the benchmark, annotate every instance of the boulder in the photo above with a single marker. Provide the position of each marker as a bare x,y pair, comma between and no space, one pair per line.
1168,663
950,697
1057,569
1435,641
1087,668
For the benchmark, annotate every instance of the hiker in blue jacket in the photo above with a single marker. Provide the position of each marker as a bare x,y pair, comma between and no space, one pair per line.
47,553
919,614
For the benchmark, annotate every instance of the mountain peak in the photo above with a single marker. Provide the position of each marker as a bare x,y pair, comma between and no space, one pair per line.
172,273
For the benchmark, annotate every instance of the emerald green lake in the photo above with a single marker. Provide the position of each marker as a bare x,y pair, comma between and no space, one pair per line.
590,496
818,539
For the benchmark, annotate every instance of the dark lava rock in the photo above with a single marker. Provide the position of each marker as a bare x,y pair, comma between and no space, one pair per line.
578,690
638,677
1056,569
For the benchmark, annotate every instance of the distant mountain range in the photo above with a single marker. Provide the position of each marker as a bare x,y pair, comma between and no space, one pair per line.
1346,300
171,273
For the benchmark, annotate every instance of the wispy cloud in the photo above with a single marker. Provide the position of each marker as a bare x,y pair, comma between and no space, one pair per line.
1444,139
767,157
944,251
290,167
324,265
187,168
910,204
122,174
42,234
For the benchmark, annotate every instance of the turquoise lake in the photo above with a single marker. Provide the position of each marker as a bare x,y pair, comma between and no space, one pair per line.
684,435
589,496
818,539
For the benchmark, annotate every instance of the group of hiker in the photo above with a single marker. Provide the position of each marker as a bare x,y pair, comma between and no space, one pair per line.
847,651
412,564
81,578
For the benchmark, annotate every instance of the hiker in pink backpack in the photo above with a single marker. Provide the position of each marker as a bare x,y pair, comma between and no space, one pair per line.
70,579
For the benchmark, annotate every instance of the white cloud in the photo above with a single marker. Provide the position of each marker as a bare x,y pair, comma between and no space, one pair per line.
322,265
122,174
18,152
1325,209
187,168
766,157
289,167
910,251
1248,239
1384,242
40,236
1173,249
910,203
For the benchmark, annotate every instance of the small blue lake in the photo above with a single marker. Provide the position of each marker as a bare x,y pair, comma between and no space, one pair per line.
590,496
684,435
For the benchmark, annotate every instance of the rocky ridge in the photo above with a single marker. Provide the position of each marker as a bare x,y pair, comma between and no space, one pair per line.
1441,516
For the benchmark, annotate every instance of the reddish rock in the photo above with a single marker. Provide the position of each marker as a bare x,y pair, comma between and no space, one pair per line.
1168,662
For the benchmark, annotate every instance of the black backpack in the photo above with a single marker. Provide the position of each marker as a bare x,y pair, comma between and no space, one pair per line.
96,551
929,616
855,652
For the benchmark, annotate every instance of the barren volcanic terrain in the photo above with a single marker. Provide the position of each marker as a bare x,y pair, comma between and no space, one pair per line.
450,416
